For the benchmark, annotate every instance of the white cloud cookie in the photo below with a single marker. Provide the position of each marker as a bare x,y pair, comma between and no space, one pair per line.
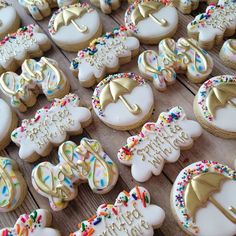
50,127
132,214
158,143
35,224
86,162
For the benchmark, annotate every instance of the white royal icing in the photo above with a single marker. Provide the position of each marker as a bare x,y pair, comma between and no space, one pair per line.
107,6
35,224
67,35
76,164
16,47
209,220
158,143
147,29
228,51
132,214
103,54
51,125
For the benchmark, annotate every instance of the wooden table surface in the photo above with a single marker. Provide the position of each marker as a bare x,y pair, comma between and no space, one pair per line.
181,93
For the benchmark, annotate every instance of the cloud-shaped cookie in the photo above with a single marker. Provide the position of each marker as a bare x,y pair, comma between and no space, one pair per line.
132,214
158,143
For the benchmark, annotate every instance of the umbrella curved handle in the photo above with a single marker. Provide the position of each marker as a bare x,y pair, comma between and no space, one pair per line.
134,109
162,22
81,29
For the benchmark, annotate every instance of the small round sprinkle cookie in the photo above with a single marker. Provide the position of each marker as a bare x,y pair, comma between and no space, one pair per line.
9,19
119,102
228,53
150,21
73,27
215,106
203,199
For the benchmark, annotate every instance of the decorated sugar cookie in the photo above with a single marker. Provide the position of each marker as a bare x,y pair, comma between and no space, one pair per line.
9,19
13,187
119,102
35,224
183,56
203,199
73,27
228,53
132,214
215,106
40,9
186,6
86,162
158,143
210,27
27,42
50,127
104,55
107,6
150,21
8,122
44,76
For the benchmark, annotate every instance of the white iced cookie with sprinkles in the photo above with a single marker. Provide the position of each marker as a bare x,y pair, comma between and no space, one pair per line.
119,102
132,214
104,55
203,199
183,56
73,27
43,76
35,224
158,143
8,122
150,21
9,19
40,9
86,162
228,53
26,42
215,106
50,127
210,27
13,187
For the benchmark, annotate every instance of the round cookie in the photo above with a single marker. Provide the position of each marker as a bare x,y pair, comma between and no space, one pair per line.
8,122
9,19
119,102
228,53
73,27
150,21
203,199
215,106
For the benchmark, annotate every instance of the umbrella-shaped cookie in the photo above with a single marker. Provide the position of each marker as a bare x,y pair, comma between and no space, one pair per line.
68,15
200,190
220,95
115,90
146,9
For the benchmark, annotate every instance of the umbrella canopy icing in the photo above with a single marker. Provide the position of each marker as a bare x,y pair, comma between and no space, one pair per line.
220,96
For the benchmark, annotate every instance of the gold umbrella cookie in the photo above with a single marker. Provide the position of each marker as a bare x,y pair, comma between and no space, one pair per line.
13,187
50,127
132,214
203,199
40,9
43,76
86,162
9,19
104,55
183,56
35,224
210,27
123,101
215,106
150,21
73,27
158,143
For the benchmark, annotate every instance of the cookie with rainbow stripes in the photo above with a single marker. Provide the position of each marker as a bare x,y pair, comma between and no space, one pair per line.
132,214
35,224
203,199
